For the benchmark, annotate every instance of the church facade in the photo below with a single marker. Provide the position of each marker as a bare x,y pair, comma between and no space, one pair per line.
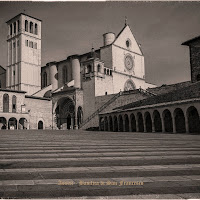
172,108
67,94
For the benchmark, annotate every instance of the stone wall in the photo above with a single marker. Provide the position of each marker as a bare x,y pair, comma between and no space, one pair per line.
39,110
88,97
19,100
195,63
123,99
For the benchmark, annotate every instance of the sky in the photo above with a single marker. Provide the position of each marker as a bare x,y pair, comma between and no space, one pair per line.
74,27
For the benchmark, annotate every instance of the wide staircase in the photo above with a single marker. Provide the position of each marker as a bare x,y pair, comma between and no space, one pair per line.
85,164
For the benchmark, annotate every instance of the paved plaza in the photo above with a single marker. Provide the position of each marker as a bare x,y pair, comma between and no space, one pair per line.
74,164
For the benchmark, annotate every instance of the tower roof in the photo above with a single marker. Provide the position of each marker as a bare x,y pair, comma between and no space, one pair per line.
25,15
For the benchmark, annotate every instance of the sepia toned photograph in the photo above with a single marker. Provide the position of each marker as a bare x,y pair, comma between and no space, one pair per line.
100,100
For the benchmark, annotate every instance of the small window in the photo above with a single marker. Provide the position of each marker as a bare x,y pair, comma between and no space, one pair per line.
36,29
30,44
31,27
99,68
5,103
14,100
13,44
108,71
104,70
10,29
111,72
106,93
26,43
26,25
13,73
89,68
14,27
18,23
128,43
17,42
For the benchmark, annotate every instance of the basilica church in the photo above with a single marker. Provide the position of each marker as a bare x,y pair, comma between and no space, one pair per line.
102,89
70,93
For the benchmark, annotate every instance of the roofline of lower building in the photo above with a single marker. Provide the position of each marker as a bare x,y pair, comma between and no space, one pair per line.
9,90
152,106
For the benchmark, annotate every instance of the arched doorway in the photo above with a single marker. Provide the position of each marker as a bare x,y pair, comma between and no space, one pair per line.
40,125
23,123
157,121
193,120
168,121
133,123
126,120
179,120
110,123
106,124
120,123
140,122
65,113
3,123
148,122
12,123
79,115
115,124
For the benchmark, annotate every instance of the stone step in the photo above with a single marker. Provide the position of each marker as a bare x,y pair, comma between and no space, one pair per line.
97,154
42,165
97,174
94,163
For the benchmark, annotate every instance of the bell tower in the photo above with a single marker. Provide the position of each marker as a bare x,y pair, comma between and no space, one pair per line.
24,54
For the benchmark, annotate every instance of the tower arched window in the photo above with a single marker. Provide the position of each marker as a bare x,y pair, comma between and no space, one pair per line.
14,100
108,72
31,27
14,27
44,79
26,25
36,29
10,29
104,70
5,103
18,25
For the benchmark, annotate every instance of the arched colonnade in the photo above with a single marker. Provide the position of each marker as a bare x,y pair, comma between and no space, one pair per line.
174,119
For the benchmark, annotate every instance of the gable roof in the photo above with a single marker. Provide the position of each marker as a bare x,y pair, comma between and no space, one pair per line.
135,47
23,14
